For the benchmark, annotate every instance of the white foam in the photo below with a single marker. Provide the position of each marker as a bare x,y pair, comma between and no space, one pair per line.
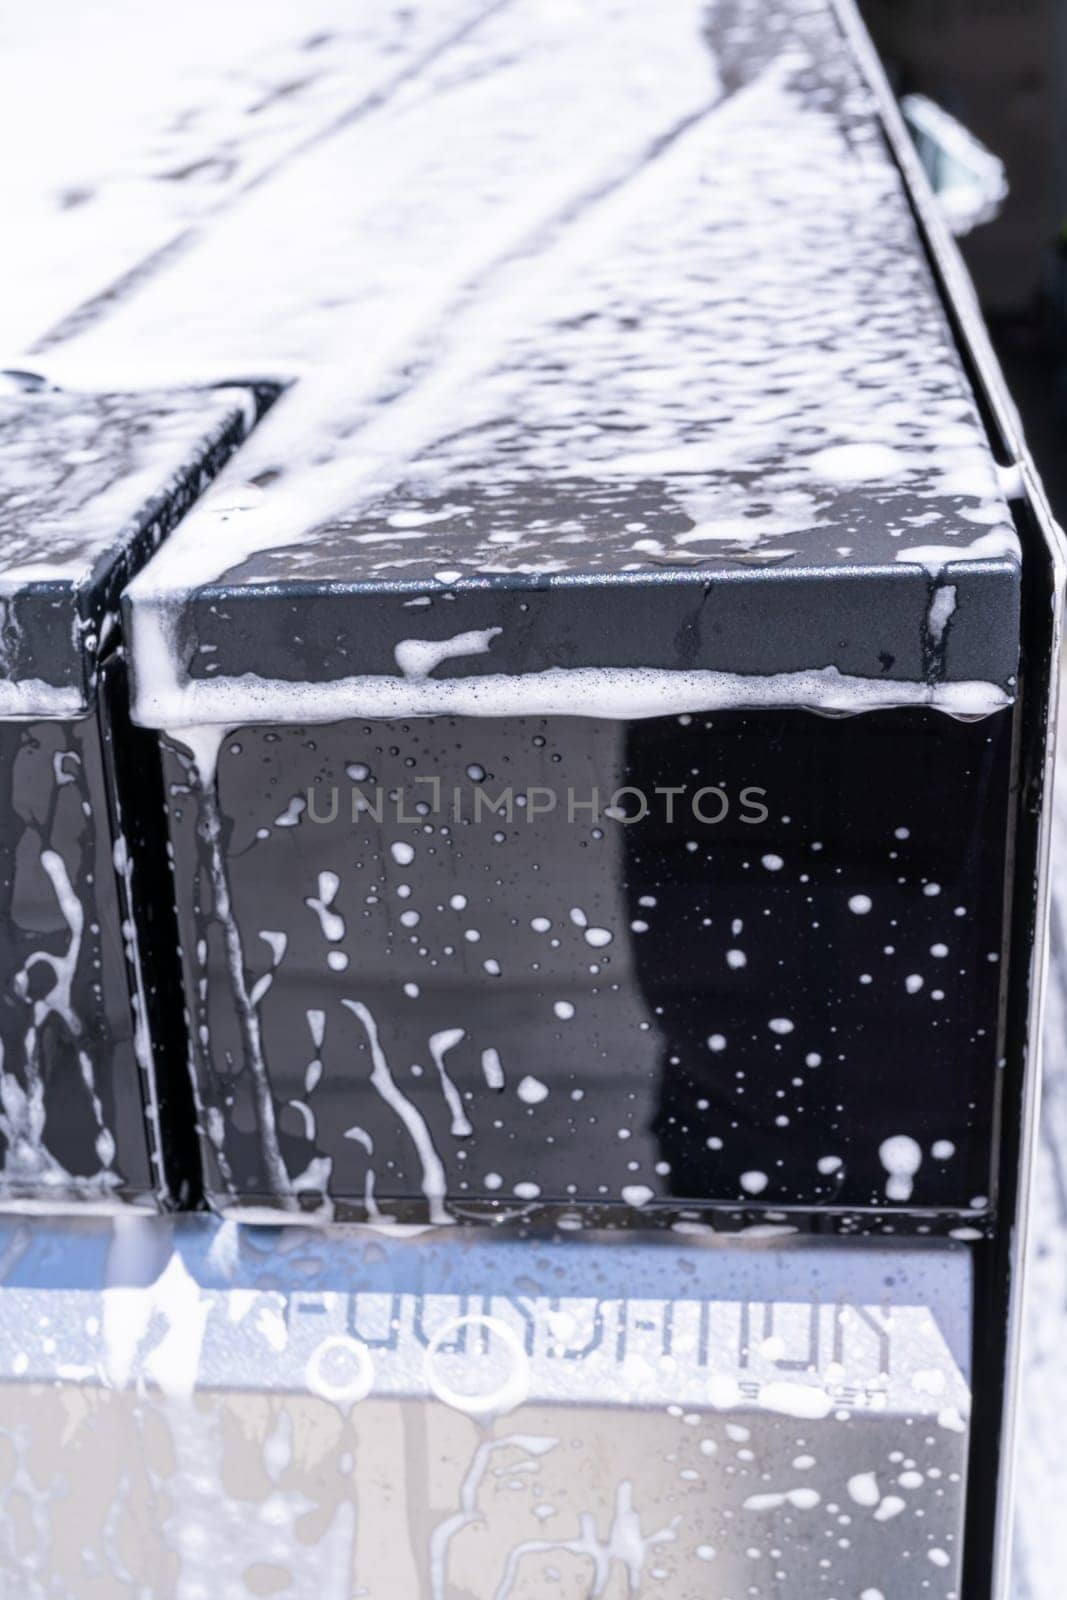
549,191
433,1173
618,693
492,1069
941,608
440,1044
417,658
24,698
901,1156
1000,544
801,1400
863,1489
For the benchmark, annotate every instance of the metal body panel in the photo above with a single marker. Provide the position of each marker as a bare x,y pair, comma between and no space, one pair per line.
592,274
89,486
309,643
92,1060
992,1510
694,409
73,1123
461,978
343,1412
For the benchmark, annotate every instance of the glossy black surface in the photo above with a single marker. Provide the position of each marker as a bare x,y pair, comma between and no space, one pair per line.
89,486
632,350
90,1107
872,624
150,944
681,1010
94,1097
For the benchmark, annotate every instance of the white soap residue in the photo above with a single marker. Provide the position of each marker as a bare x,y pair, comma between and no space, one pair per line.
317,1026
863,1489
142,1039
434,1185
523,186
941,608
290,817
857,463
492,1069
156,1329
203,741
802,1499
801,1400
417,658
440,1044
31,698
277,942
901,1157
469,1513
28,1163
1000,544
624,1543
625,694
331,923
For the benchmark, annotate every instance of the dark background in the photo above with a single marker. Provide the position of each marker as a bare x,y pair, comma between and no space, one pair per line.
1000,66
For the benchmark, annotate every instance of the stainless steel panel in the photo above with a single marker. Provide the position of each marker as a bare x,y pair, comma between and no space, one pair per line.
200,1410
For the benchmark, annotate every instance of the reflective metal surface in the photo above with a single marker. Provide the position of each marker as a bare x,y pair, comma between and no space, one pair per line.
580,358
93,1104
198,1411
771,973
